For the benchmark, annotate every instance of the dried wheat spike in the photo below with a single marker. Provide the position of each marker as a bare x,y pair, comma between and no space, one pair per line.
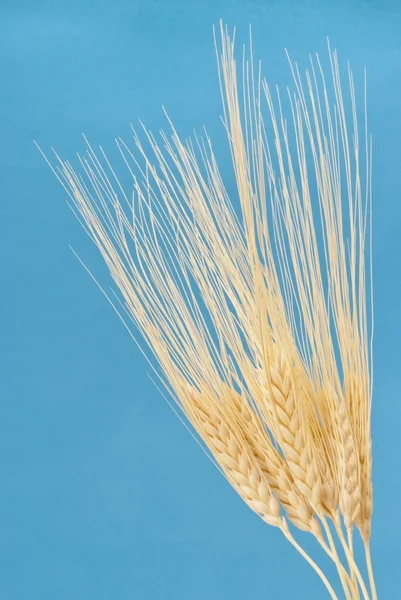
234,456
272,464
349,470
294,437
364,517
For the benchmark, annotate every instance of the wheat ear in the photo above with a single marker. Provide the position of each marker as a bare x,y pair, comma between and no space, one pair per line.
240,466
296,441
349,471
273,466
233,455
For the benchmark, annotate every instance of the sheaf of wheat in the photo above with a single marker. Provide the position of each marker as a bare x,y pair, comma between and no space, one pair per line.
259,317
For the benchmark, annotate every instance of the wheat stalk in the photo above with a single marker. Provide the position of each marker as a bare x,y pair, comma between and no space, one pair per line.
258,320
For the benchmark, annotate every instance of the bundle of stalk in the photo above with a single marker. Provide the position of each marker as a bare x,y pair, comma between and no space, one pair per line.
257,317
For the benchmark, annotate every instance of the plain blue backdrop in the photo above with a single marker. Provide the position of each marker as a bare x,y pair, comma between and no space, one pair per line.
103,494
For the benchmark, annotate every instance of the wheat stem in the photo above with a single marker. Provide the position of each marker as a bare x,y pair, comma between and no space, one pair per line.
332,552
351,559
312,563
351,547
370,570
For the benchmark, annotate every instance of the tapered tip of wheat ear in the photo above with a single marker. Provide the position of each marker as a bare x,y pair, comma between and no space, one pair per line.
259,318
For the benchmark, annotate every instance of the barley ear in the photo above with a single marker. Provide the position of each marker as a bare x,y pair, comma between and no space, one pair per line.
233,454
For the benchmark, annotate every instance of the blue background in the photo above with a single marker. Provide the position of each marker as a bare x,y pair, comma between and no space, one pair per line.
103,494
